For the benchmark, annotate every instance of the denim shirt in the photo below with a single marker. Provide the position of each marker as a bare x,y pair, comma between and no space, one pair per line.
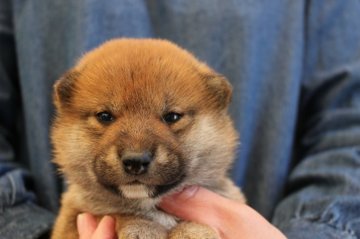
295,71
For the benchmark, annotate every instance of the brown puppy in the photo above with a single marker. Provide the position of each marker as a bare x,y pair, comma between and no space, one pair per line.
136,120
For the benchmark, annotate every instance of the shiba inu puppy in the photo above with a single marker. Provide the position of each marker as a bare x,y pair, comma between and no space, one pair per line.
138,119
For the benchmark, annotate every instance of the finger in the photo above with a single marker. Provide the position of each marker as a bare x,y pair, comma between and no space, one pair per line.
86,225
193,203
105,229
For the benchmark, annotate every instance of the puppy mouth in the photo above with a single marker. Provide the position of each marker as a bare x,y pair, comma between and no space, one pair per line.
138,186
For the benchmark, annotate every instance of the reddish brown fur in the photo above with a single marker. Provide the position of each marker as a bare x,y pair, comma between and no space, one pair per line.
139,81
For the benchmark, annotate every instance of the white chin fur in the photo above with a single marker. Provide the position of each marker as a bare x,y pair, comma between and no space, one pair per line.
135,191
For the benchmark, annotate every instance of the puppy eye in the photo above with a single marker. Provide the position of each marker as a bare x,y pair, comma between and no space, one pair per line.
172,117
105,117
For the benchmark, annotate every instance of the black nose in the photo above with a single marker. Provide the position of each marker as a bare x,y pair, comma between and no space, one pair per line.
136,163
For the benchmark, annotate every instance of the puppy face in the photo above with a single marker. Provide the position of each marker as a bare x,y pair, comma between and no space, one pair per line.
137,118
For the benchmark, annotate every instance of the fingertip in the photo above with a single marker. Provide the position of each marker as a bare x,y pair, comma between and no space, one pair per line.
86,224
81,220
106,228
109,221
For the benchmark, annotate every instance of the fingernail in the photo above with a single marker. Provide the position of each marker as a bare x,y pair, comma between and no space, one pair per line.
189,192
186,193
80,218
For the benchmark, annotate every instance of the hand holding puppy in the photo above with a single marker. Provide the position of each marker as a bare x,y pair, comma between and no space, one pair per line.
228,218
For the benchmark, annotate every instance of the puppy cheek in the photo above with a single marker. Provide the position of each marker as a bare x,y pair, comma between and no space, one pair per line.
103,177
169,175
203,143
106,169
172,170
73,151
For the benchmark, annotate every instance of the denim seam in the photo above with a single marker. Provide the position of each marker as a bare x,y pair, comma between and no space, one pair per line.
13,185
30,230
36,231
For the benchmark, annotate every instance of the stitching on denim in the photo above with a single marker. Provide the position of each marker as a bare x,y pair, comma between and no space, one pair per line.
330,224
333,221
320,219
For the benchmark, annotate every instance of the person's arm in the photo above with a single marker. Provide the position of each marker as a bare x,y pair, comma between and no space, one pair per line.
20,217
323,199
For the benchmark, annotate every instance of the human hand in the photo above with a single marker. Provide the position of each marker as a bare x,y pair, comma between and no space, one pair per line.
230,219
89,228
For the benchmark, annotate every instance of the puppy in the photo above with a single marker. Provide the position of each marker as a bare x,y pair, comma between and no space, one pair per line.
137,120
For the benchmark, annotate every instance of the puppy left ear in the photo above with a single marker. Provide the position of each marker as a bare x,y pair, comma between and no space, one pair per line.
220,90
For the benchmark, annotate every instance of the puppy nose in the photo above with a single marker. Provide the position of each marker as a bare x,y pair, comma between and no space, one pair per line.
136,163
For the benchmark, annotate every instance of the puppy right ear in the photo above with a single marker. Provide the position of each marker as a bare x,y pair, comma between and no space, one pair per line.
220,90
64,89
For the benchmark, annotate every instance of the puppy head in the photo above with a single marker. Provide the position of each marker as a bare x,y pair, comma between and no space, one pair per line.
137,118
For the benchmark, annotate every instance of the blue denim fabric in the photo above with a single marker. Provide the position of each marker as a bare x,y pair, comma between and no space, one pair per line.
25,221
13,190
19,216
294,66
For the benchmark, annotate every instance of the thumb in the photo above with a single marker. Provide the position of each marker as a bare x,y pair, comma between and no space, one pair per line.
195,204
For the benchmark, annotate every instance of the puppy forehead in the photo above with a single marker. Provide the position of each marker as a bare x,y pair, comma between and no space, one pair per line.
146,75
136,87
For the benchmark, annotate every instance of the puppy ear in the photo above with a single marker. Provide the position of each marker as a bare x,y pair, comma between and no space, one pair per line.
220,90
64,89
